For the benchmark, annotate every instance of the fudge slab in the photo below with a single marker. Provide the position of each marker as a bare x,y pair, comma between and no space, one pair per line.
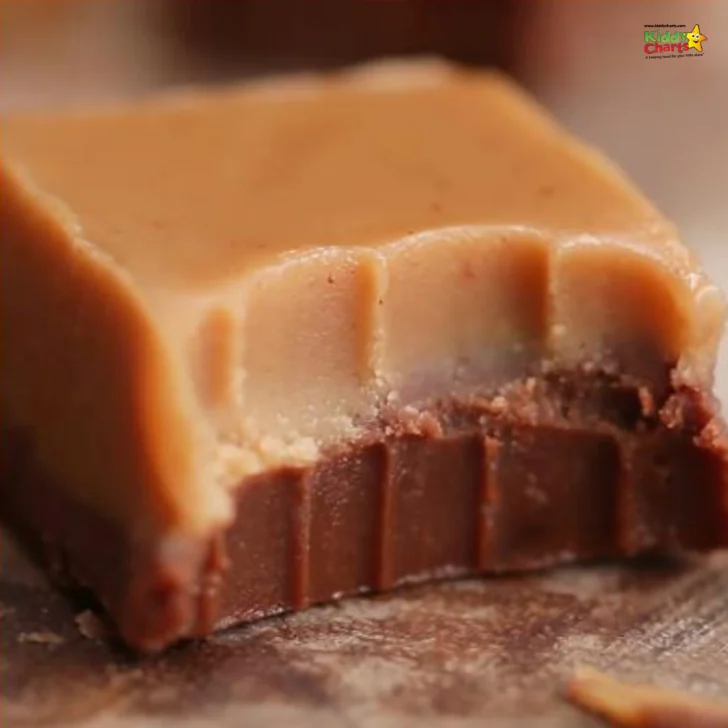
269,345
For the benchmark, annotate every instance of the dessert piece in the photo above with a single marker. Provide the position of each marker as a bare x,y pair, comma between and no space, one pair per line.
272,345
642,706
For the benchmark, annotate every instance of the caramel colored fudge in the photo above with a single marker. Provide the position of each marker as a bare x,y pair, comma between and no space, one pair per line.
271,345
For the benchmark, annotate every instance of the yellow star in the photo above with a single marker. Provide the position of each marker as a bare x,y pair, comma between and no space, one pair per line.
695,39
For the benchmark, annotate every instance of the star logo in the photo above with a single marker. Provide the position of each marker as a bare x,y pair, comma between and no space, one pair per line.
695,38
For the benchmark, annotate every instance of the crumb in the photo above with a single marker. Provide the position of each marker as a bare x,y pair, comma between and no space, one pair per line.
90,626
41,638
647,402
671,414
429,425
641,706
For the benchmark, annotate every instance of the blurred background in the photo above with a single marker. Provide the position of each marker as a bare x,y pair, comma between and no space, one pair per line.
664,120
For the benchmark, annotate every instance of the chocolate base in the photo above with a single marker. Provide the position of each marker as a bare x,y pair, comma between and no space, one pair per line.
552,470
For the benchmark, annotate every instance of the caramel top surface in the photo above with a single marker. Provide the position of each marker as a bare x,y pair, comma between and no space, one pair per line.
196,187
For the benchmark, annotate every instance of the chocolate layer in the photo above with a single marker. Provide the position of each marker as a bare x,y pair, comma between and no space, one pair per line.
575,466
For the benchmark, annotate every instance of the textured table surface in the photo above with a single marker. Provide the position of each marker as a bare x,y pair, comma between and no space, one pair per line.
470,653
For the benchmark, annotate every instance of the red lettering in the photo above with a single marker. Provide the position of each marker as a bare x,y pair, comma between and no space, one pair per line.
652,48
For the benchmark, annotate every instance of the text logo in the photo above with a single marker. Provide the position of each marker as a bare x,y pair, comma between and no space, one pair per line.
673,41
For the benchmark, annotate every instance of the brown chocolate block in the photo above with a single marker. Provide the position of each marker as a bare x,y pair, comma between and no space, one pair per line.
277,344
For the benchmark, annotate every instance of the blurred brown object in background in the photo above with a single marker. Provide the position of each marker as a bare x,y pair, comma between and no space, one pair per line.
324,33
65,51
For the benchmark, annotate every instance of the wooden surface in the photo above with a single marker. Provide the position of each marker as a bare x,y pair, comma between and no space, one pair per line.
470,653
